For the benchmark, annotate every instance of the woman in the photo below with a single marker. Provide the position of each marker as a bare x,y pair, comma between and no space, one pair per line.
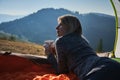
74,54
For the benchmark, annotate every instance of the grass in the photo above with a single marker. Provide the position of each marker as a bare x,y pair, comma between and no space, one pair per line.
116,59
21,47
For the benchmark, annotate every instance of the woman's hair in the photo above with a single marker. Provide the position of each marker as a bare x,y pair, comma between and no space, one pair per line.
72,22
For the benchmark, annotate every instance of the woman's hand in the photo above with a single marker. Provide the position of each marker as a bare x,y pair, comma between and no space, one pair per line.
49,47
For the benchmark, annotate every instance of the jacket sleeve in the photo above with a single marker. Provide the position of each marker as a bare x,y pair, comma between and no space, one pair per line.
52,60
61,57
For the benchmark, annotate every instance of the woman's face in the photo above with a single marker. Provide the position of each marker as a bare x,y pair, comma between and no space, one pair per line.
61,29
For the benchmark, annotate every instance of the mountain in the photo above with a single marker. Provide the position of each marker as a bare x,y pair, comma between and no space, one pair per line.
7,18
99,27
40,26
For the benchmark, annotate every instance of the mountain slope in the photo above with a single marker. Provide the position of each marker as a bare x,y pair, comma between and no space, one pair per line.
7,18
21,47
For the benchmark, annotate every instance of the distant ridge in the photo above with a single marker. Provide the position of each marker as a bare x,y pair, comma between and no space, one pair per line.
40,26
7,18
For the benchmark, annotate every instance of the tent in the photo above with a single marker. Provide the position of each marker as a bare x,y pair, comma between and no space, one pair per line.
116,6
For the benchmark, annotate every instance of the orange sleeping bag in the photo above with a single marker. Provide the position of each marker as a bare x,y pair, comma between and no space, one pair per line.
18,68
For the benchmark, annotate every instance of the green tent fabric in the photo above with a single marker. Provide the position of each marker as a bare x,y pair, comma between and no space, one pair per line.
116,6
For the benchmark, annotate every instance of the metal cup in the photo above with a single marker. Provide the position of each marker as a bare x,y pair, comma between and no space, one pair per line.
48,42
48,45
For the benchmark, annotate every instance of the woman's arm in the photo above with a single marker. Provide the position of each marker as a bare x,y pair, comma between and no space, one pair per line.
61,57
50,53
52,60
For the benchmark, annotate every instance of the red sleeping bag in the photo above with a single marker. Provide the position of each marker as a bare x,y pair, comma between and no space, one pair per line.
18,68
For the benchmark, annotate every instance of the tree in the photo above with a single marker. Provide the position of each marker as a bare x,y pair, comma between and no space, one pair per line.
100,46
12,38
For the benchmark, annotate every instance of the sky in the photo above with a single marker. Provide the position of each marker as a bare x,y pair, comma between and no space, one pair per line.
24,7
117,7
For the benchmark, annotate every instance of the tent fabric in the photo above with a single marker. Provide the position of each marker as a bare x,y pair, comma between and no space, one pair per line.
116,4
18,68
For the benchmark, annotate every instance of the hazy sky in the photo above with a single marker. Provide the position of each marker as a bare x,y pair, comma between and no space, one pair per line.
23,7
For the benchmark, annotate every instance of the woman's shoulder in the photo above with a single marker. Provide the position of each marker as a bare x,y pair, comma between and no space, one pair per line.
68,39
64,38
60,40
